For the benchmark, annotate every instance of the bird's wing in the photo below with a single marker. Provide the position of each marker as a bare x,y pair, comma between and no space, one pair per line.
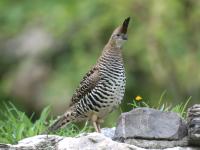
88,82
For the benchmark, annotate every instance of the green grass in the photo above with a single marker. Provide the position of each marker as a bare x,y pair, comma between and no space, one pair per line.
15,125
180,109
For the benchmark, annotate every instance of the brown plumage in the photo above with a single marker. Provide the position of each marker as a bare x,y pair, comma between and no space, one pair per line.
88,83
102,88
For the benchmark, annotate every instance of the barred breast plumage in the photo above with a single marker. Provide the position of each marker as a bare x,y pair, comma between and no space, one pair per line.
110,88
102,88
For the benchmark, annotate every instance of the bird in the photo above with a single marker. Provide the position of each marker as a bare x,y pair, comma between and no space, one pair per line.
102,88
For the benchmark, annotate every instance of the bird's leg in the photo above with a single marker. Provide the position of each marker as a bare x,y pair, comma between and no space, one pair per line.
99,121
94,122
98,126
95,126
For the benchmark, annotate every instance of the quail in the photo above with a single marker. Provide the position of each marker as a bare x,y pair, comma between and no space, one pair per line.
102,88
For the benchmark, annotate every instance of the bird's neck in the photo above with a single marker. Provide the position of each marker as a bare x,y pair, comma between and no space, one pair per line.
111,54
113,49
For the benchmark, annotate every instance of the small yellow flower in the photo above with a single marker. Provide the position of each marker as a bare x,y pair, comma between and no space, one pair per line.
138,98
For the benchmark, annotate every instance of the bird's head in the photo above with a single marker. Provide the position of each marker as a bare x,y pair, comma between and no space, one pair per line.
119,35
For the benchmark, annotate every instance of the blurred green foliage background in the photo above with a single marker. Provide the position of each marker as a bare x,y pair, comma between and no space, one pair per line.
47,46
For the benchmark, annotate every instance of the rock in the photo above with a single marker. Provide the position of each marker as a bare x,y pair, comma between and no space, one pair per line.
149,124
108,132
91,141
94,141
38,142
194,124
157,144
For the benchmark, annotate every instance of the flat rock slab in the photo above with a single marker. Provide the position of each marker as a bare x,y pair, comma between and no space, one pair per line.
40,142
148,123
94,141
157,144
90,141
194,124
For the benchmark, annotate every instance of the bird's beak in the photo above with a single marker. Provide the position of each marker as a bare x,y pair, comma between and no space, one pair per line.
125,37
125,25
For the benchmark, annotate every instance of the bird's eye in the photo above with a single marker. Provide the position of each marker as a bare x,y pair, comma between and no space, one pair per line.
118,34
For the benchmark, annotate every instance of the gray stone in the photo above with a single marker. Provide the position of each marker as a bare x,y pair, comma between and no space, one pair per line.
89,141
194,124
147,123
94,141
108,132
157,144
39,142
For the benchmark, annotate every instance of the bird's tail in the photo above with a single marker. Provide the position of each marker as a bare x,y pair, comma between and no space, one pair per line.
60,122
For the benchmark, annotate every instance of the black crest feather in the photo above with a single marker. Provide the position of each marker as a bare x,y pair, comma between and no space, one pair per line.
125,25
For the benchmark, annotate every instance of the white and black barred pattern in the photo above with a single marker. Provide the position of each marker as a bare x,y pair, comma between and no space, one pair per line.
109,91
